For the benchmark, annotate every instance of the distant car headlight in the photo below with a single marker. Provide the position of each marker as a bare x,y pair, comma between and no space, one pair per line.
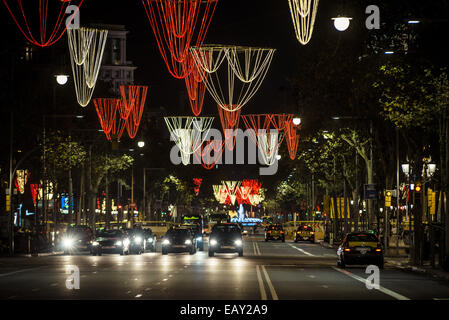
166,242
138,240
119,243
188,242
150,240
68,243
213,242
199,239
238,242
95,243
126,242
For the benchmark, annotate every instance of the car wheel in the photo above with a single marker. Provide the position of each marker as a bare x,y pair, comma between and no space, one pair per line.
241,253
153,248
296,240
192,251
342,264
211,253
283,239
201,247
127,253
94,253
100,253
164,252
266,240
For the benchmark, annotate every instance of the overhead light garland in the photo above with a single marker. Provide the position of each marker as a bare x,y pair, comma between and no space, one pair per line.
176,28
47,35
249,65
86,48
292,138
196,88
303,15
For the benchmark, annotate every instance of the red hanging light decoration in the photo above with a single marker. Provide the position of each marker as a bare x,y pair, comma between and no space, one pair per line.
118,125
204,153
230,121
35,189
44,38
106,111
174,23
292,138
197,182
132,106
196,87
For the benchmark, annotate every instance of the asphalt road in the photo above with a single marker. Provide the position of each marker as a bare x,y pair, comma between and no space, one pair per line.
267,271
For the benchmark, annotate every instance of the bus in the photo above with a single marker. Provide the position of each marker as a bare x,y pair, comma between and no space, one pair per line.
215,218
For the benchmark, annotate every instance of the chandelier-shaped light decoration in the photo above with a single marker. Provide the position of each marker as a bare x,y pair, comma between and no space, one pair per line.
249,65
197,182
106,111
132,106
32,18
220,193
232,187
303,16
86,48
267,132
230,122
188,133
292,138
209,153
21,180
118,124
196,87
35,189
177,25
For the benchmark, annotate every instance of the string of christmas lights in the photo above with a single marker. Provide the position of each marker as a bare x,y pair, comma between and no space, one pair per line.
303,15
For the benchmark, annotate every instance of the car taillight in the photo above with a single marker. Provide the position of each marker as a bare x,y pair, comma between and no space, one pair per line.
269,231
348,250
282,231
378,250
312,232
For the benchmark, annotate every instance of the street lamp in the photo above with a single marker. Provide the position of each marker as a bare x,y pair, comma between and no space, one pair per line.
296,121
141,144
341,23
278,157
62,79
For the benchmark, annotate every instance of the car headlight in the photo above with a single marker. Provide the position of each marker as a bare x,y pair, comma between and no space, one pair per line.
199,239
118,243
150,240
188,242
238,242
213,242
68,243
166,242
126,242
95,243
138,240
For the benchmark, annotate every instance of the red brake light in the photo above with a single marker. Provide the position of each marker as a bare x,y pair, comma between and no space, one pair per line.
378,250
348,250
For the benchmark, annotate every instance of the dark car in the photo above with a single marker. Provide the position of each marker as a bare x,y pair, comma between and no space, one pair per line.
360,248
110,241
178,240
275,232
305,233
197,231
150,240
136,241
226,238
77,239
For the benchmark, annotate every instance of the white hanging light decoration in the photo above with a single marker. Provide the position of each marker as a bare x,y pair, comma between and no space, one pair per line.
232,187
86,48
220,193
188,133
249,65
303,16
269,143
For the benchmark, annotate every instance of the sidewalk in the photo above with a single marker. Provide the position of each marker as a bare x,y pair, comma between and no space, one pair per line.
402,262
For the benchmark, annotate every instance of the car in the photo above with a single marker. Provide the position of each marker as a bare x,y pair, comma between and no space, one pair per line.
196,229
178,240
76,239
275,232
226,238
136,241
305,233
360,248
150,240
110,241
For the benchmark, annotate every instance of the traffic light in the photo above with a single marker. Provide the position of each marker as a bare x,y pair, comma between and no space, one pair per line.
418,187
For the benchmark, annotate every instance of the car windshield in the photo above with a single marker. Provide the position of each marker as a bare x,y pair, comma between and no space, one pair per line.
362,237
226,228
109,233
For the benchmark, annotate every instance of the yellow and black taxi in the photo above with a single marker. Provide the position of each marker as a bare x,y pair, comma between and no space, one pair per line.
305,233
275,232
360,248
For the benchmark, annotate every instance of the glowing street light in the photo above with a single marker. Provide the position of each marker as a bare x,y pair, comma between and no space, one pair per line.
341,23
62,79
296,121
141,144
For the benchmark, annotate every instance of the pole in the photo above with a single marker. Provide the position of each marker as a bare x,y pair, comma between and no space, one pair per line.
397,192
144,198
356,204
44,182
11,216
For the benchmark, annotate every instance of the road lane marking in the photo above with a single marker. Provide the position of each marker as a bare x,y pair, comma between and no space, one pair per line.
258,249
263,293
270,285
301,250
312,277
442,299
138,296
18,271
254,248
381,289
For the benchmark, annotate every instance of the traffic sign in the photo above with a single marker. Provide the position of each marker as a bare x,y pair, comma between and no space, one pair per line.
370,192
